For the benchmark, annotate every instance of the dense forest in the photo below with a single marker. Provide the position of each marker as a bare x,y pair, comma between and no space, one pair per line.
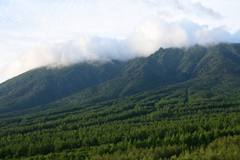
194,117
142,126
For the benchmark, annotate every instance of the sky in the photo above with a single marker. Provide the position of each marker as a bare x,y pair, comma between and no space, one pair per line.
36,33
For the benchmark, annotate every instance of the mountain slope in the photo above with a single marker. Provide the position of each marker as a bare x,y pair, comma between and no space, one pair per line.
87,83
174,104
166,67
168,122
43,85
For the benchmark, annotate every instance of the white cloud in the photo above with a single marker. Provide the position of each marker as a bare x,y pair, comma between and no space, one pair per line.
153,34
145,39
81,49
205,36
128,24
203,11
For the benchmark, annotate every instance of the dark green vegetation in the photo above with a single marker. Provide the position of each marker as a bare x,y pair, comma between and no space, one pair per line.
174,104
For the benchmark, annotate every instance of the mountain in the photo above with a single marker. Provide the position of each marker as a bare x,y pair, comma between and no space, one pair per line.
44,85
178,103
87,83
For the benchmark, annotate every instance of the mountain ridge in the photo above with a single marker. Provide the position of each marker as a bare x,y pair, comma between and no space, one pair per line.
88,83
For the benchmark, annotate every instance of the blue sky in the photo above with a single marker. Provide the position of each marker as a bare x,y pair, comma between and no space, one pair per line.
35,33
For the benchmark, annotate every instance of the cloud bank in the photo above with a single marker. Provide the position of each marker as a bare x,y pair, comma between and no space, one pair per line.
63,32
145,39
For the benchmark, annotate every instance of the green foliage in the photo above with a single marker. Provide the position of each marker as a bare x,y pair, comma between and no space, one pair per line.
220,149
196,117
152,125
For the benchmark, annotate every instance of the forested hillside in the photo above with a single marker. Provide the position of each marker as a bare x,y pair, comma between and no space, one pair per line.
97,81
174,104
44,85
